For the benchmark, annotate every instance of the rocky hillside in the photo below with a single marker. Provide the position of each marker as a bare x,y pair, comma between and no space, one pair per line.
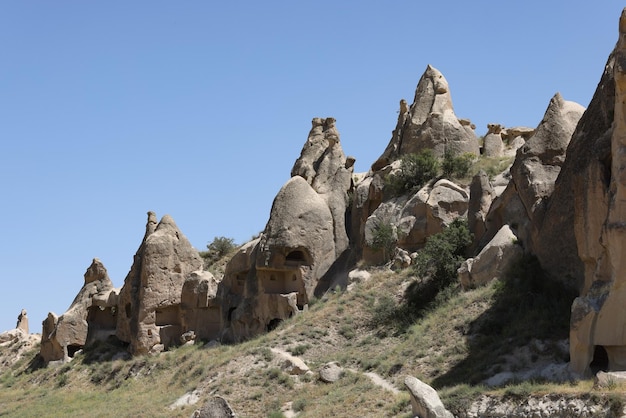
455,261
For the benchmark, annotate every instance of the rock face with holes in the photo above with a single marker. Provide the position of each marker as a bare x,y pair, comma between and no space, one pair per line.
149,305
429,123
91,316
273,278
598,174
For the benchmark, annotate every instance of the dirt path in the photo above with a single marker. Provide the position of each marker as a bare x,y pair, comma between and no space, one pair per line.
379,381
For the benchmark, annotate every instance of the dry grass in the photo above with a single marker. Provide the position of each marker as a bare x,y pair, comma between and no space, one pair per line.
340,327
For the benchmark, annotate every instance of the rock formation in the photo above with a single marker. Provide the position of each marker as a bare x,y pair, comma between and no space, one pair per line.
150,299
91,316
22,322
415,218
273,278
429,123
598,175
493,144
537,164
482,195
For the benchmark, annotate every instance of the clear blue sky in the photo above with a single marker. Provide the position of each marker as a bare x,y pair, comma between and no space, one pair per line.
198,109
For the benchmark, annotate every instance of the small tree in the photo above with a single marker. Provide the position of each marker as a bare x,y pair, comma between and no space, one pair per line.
444,252
384,238
218,248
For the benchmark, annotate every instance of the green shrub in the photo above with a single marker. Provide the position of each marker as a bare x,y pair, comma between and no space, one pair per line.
444,252
384,238
457,166
415,171
299,349
299,405
218,248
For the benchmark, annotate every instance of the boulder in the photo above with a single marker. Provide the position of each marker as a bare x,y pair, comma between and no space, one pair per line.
429,123
149,301
425,402
215,407
330,372
96,302
492,262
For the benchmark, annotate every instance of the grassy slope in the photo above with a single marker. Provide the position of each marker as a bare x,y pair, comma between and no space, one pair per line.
453,346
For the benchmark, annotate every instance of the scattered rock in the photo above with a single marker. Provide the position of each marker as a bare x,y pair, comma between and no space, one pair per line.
291,364
215,407
189,398
330,372
425,401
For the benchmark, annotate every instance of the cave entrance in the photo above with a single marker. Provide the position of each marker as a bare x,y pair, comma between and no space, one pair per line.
273,324
600,360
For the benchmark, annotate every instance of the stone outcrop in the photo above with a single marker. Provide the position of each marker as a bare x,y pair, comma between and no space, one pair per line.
150,299
425,402
537,164
328,171
493,260
429,123
91,316
482,195
598,173
22,322
492,142
215,407
416,217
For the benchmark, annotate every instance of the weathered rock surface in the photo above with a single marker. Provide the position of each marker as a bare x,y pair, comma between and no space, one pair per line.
150,299
22,321
330,372
291,364
538,406
493,145
274,278
425,402
325,167
425,213
429,123
598,174
91,316
482,195
493,261
215,407
533,174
